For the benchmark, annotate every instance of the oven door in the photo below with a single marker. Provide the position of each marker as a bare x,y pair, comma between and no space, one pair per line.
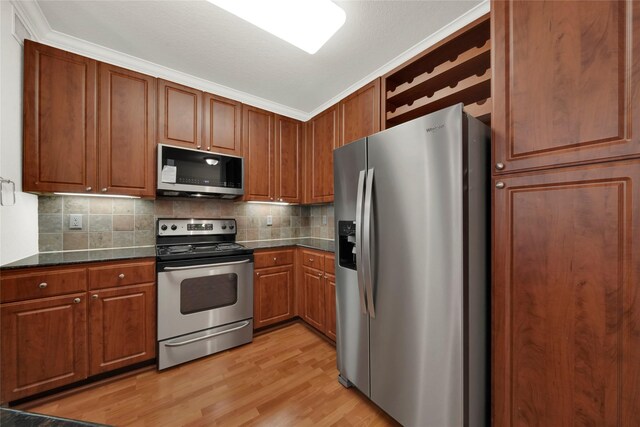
194,295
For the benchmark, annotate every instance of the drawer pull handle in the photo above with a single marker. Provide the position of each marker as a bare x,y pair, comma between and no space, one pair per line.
42,285
121,275
275,259
76,300
94,296
310,259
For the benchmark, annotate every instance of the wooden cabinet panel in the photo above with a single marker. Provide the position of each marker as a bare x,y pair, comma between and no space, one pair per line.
179,115
313,259
222,125
264,259
566,300
122,327
330,303
288,165
582,103
17,285
330,264
258,149
273,295
126,132
44,344
59,120
360,113
323,137
314,293
120,273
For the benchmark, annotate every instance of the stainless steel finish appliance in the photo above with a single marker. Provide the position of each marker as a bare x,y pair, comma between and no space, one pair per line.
194,173
411,211
205,289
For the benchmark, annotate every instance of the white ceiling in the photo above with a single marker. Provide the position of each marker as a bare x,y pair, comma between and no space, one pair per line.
199,39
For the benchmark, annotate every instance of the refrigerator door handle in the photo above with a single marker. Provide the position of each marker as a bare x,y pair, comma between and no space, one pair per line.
367,261
360,271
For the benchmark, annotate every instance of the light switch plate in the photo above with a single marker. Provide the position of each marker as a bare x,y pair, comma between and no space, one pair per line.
324,220
269,220
75,221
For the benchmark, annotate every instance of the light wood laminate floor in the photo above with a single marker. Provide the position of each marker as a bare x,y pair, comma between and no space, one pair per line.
287,377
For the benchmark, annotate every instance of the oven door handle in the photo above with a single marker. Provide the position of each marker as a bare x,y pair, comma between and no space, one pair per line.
222,264
215,334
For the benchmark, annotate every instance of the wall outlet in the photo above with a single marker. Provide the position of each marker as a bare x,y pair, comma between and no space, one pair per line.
75,222
324,220
269,220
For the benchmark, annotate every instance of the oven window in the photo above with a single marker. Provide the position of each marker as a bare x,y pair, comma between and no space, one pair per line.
208,292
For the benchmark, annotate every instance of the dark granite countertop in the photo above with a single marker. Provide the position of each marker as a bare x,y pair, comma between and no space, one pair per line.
77,257
306,242
15,418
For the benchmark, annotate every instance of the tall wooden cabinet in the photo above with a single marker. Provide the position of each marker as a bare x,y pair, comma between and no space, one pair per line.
566,224
323,136
259,156
289,138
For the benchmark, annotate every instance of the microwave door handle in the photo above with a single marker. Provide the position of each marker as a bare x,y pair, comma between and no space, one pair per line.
222,264
359,270
367,244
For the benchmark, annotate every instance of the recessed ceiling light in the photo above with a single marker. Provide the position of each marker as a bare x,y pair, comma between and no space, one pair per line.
306,24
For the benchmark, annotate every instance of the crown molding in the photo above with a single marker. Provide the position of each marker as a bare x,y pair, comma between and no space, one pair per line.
35,21
465,19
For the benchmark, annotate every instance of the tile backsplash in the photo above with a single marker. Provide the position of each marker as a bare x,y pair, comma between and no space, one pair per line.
118,223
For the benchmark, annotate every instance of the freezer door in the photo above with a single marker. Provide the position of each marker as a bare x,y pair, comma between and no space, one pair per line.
417,270
352,325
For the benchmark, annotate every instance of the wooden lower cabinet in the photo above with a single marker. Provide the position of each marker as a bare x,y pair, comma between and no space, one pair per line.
44,344
273,295
566,297
313,288
122,327
330,305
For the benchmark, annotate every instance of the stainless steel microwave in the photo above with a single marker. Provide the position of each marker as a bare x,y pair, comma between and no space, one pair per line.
183,172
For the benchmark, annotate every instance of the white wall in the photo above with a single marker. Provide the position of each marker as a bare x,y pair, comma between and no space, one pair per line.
18,223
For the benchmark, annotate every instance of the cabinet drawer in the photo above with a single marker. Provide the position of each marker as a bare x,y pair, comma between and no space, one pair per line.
330,264
122,274
313,260
273,258
22,285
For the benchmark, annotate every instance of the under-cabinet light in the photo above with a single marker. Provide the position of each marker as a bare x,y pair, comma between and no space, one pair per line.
306,24
114,196
270,203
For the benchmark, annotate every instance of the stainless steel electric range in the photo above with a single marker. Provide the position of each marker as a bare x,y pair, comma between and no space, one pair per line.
205,289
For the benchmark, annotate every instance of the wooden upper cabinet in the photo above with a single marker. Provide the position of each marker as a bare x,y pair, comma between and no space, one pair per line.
59,120
360,113
565,86
126,112
323,137
566,297
44,344
258,152
179,115
289,138
222,123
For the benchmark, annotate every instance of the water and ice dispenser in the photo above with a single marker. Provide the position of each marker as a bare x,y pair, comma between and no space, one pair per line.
347,244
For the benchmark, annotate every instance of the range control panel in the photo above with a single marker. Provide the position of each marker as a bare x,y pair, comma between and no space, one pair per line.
190,227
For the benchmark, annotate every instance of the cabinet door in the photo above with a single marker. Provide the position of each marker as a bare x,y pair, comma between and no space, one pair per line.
259,156
322,137
289,137
222,125
59,120
566,297
360,113
273,295
126,141
330,303
313,288
122,327
44,344
179,115
565,82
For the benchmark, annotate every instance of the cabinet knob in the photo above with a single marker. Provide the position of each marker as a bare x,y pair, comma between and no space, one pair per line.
320,274
310,259
275,259
271,198
121,275
94,296
42,285
104,190
208,148
88,188
500,185
499,166
257,274
76,301
199,147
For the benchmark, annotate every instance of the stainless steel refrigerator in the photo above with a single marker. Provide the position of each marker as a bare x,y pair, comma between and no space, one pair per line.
411,211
